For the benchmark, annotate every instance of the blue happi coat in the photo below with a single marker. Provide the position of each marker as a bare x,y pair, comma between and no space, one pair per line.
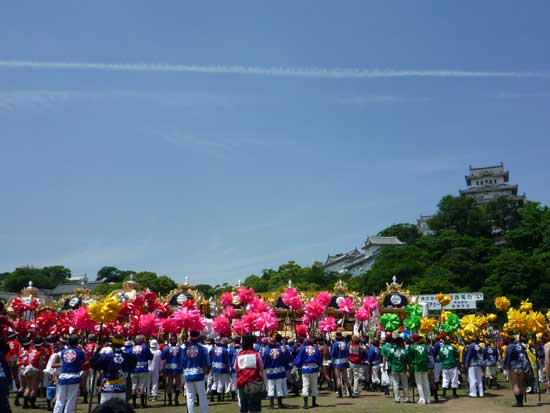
72,359
339,353
275,362
474,355
115,366
194,361
143,355
172,356
309,358
219,356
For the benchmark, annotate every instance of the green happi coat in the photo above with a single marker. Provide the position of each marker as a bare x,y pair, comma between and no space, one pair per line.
448,355
418,354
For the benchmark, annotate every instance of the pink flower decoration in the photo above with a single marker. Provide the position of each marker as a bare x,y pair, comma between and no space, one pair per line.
301,330
291,299
240,328
189,319
265,323
245,295
229,312
258,305
226,299
82,321
346,305
327,325
222,326
315,309
324,297
362,314
149,324
370,303
306,319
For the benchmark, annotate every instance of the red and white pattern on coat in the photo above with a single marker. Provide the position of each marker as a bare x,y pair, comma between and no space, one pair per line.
192,351
274,353
310,350
69,356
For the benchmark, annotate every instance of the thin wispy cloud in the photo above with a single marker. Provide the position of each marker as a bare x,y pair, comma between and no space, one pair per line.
34,100
313,72
49,100
505,95
368,99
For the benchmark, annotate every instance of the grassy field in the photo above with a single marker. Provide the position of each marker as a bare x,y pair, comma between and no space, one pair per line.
495,401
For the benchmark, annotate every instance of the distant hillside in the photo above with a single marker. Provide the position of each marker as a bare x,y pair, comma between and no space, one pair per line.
499,248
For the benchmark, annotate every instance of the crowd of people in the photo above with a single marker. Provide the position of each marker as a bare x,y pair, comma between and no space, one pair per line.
249,369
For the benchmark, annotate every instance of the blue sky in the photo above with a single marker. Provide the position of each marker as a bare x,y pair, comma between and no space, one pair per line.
235,136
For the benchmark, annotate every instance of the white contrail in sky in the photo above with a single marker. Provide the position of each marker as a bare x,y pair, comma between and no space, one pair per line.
313,72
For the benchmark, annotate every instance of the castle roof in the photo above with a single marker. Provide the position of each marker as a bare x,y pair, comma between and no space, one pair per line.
376,240
490,188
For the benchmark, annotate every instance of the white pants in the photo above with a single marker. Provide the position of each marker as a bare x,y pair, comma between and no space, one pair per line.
108,396
66,398
154,383
375,374
402,378
140,381
450,376
423,386
354,375
193,388
275,387
310,380
490,371
220,382
438,367
475,382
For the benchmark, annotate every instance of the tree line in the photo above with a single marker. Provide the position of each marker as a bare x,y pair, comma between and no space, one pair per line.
499,248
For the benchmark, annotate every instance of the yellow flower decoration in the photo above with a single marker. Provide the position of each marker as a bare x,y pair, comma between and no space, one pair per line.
481,322
105,311
502,303
470,324
444,315
517,321
491,318
526,305
548,315
443,299
536,322
427,325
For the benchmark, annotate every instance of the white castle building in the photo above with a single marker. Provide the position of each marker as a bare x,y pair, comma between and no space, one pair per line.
487,183
356,262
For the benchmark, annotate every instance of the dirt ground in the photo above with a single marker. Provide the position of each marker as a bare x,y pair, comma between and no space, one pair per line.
494,401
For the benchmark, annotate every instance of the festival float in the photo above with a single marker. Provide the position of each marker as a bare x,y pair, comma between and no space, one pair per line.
130,311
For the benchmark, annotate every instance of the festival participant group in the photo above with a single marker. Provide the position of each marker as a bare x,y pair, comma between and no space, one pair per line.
141,353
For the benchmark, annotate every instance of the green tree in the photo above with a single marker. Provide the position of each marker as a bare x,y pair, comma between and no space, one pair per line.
110,274
461,214
406,233
45,278
107,288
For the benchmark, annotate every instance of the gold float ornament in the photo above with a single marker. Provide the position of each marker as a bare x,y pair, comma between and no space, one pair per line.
444,300
105,311
502,303
526,305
